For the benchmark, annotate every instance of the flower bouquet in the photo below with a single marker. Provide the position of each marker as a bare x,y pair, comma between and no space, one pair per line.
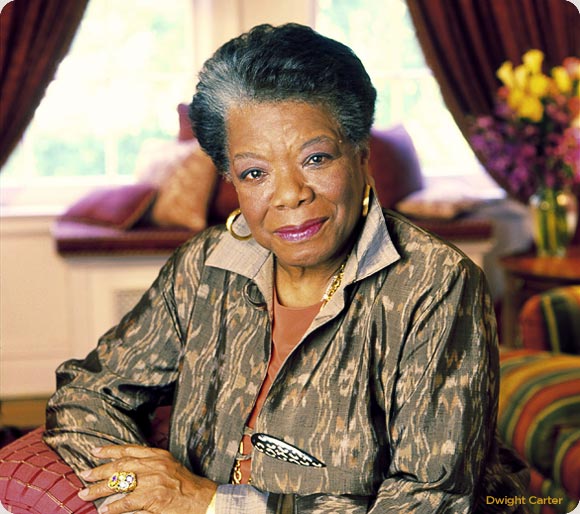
531,142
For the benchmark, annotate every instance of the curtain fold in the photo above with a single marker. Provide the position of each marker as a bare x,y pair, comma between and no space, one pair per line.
465,41
35,35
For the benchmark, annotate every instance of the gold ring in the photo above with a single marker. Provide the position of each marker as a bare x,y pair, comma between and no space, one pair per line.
122,482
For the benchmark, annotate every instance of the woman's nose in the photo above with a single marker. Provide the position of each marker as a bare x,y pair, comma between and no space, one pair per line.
291,190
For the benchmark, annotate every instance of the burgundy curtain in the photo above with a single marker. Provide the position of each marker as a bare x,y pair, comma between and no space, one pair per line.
465,41
35,35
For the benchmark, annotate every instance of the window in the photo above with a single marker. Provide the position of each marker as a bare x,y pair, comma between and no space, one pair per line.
381,33
129,66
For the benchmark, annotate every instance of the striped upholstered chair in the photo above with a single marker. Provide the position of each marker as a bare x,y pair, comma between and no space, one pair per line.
551,321
539,412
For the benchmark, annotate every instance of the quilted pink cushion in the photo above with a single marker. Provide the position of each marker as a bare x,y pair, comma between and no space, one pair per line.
34,479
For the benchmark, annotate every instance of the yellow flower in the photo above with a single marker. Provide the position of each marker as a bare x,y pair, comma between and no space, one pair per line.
521,76
538,85
531,107
506,74
515,98
533,60
562,79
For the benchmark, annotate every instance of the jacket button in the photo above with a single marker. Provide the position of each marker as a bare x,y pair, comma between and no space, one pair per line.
254,297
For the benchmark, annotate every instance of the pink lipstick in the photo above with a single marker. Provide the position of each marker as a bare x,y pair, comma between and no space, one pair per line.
297,233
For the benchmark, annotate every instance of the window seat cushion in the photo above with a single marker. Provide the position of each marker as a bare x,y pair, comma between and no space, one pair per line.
78,239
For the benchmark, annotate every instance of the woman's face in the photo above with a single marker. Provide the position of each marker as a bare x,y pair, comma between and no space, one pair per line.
299,182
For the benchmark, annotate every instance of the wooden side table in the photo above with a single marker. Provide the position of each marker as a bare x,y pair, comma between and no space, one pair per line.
526,275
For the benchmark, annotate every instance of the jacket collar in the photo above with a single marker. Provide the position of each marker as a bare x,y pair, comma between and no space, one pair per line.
373,251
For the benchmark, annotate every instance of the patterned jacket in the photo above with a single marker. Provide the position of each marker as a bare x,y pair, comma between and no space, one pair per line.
393,387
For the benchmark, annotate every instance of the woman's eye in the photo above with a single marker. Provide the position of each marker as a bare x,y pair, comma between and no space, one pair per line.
252,174
318,159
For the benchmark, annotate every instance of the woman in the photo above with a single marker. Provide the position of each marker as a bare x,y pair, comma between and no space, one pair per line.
321,355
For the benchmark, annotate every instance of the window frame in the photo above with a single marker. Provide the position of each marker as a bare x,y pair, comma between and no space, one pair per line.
466,168
30,194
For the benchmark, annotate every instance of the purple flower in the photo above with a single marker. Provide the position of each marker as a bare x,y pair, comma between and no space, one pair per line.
484,122
525,153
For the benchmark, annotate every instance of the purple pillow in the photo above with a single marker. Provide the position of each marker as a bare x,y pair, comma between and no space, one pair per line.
394,165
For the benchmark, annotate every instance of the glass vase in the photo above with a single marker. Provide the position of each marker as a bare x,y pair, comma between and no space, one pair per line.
554,218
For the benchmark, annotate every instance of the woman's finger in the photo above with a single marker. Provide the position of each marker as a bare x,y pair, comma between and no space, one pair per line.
127,504
95,491
145,479
106,471
115,451
130,504
147,462
101,488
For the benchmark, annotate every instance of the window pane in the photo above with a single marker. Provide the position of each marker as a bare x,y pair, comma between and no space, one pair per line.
129,66
381,33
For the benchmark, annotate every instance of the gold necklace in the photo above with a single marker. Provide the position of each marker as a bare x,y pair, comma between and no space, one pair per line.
335,282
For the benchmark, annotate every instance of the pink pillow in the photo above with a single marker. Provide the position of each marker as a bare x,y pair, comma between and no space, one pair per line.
185,195
117,207
185,178
225,199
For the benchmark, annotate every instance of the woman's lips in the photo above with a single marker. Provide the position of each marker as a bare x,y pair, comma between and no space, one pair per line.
300,232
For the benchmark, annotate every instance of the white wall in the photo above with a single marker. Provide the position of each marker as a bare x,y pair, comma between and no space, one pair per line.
53,309
34,325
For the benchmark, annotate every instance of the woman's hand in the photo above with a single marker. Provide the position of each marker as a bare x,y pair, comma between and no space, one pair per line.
164,486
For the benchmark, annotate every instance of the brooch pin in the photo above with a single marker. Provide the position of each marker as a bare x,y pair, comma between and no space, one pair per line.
281,450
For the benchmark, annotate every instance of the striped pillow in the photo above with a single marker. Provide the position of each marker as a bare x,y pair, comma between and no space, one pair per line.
551,321
539,406
567,461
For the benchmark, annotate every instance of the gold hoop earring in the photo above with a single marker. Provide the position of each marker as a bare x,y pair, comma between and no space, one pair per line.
229,225
366,201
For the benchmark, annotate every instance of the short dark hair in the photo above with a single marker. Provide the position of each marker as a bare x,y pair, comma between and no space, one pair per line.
271,64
